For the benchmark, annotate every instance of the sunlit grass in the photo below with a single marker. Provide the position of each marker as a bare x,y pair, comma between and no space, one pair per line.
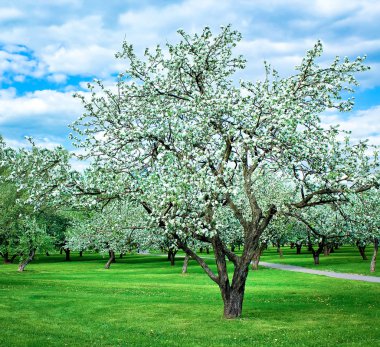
345,259
143,301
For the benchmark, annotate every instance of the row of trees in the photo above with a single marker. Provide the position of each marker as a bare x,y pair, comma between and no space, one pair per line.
197,157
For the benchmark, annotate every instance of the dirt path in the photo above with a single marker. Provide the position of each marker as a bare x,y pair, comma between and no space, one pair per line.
345,276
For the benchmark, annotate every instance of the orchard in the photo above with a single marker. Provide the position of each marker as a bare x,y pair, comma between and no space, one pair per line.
183,158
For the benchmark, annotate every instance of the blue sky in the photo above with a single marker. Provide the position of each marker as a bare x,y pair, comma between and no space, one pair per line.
50,49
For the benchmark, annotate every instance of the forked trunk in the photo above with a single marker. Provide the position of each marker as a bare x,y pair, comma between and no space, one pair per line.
110,260
374,256
185,264
27,260
316,253
233,295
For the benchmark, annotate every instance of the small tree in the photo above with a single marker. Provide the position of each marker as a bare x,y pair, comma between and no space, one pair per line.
33,239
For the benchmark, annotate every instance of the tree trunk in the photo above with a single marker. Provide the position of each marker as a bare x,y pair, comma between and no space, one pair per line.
27,260
6,258
278,246
112,256
256,258
316,259
67,254
47,254
207,250
121,255
110,260
81,253
171,256
375,251
185,264
298,246
233,303
317,252
280,252
61,250
362,251
233,295
326,250
172,259
232,248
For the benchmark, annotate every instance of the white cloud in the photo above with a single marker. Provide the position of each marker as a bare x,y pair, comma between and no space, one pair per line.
82,41
43,106
57,78
10,13
80,60
19,64
363,124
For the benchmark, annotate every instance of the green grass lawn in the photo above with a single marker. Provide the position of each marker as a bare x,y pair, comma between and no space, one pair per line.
345,259
143,301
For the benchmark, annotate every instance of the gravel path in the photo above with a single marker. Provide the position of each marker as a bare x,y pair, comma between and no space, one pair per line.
346,276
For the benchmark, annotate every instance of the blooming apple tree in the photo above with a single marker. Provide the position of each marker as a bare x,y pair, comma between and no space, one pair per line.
179,136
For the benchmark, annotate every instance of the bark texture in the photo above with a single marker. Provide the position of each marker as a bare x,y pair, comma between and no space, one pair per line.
298,247
185,264
22,266
67,254
110,260
171,256
374,256
361,249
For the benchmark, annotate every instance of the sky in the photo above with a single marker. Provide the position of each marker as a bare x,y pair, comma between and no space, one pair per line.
50,49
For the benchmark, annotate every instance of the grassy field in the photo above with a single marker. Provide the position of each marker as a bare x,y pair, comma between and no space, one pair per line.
143,301
345,259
